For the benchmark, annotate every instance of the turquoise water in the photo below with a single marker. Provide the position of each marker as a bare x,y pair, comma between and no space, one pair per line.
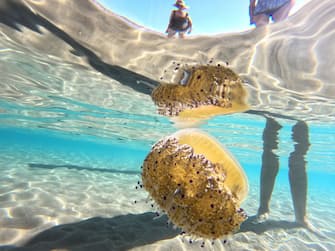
44,148
74,134
44,161
242,135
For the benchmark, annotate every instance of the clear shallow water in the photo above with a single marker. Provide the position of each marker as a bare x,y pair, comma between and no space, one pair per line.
72,143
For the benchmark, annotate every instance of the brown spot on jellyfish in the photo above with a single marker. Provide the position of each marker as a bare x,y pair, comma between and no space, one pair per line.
209,206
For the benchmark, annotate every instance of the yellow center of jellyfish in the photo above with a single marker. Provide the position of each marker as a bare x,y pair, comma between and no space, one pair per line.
197,183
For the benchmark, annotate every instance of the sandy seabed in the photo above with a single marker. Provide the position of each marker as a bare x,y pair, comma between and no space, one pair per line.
72,207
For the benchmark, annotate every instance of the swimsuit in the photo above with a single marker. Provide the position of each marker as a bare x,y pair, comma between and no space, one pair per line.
268,7
179,23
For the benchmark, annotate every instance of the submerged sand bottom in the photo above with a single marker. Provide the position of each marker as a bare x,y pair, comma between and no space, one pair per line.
45,207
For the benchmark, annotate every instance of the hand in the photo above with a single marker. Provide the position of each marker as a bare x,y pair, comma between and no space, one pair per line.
189,31
252,21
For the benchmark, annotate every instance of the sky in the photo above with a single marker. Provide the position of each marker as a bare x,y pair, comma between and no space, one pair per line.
209,17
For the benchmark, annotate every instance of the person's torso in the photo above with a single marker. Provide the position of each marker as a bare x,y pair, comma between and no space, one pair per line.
179,21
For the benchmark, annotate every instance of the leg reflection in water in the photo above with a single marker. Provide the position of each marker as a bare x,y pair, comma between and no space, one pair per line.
297,169
270,166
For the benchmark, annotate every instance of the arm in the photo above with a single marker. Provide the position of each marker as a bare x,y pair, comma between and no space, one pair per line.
172,13
189,25
251,10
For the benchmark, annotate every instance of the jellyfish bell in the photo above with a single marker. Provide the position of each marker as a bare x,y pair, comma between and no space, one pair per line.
200,93
215,152
197,182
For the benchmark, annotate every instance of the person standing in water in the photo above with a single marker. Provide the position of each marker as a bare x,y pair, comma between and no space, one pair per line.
261,11
180,21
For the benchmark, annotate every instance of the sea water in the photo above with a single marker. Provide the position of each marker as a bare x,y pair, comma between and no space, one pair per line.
72,142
